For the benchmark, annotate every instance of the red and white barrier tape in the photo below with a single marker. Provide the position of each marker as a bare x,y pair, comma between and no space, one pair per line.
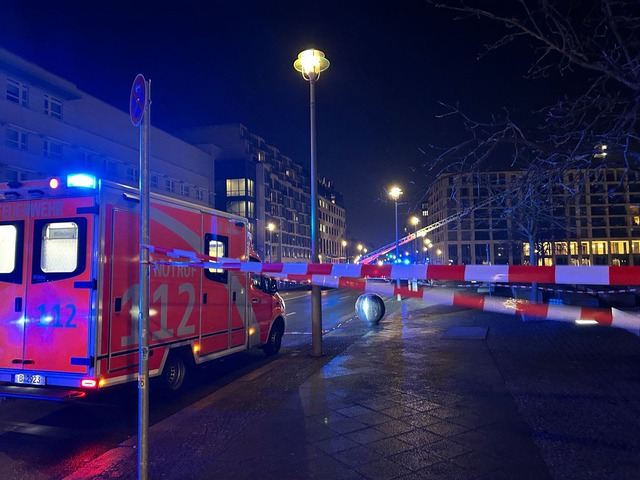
560,274
610,317
351,276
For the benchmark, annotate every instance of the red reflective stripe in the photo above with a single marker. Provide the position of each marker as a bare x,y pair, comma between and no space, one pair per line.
378,271
319,269
603,317
468,301
538,310
624,275
445,272
528,274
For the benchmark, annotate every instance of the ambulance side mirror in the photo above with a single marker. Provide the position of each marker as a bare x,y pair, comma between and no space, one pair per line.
273,286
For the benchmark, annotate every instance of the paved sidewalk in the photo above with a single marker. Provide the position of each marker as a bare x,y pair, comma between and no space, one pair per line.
430,393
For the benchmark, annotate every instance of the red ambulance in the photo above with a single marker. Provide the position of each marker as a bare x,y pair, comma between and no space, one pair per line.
69,289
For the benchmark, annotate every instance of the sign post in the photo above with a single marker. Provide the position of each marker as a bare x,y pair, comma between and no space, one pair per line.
139,106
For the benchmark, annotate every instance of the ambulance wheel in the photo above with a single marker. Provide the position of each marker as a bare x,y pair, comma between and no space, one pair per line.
174,373
274,342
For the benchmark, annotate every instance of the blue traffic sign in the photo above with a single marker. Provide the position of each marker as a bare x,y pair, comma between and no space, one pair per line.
137,100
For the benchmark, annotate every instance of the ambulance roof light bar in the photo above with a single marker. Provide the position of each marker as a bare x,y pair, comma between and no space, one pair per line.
81,180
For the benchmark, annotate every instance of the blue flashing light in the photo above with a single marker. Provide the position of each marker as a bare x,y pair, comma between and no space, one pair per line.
81,180
406,261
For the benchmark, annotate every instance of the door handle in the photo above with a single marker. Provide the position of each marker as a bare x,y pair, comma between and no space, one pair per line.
17,307
255,300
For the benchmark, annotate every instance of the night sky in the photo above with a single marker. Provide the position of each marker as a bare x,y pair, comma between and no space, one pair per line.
213,62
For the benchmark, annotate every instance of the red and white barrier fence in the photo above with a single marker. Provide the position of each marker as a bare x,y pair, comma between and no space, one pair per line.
354,276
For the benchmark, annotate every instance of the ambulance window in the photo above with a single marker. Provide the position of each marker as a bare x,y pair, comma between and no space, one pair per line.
216,246
11,251
8,242
60,249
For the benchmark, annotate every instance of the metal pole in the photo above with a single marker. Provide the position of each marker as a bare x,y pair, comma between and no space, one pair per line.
397,245
398,296
316,293
143,308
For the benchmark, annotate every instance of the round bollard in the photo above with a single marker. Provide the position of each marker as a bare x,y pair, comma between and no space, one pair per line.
370,308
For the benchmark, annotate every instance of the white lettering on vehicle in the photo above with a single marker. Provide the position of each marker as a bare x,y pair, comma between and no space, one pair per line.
175,271
161,296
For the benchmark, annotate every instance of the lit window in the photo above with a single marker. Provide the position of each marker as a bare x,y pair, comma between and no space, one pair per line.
17,92
240,187
59,248
16,139
8,238
53,107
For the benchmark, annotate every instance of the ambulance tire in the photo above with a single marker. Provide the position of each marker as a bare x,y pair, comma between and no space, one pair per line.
174,374
275,339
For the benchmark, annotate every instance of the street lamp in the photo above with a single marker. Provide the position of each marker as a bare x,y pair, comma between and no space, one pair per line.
415,221
395,193
344,249
271,227
310,64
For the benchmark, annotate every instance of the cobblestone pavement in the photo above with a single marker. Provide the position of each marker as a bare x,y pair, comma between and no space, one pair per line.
429,393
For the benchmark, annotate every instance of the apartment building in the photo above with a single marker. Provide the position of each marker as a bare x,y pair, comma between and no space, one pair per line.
49,127
600,225
332,219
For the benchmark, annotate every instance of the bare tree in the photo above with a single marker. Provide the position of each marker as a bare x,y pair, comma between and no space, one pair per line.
595,42
598,40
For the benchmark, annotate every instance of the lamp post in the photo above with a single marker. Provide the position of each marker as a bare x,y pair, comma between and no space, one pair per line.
271,227
344,249
395,193
415,221
310,63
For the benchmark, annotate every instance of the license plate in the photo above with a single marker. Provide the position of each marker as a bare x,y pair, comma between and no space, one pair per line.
26,379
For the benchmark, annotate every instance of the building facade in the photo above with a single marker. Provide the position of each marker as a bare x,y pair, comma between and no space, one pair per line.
332,218
254,179
48,127
601,224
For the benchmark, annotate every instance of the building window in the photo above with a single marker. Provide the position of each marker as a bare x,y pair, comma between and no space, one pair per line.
17,92
133,174
199,194
170,185
52,149
240,187
185,190
112,169
16,139
53,107
244,209
154,181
